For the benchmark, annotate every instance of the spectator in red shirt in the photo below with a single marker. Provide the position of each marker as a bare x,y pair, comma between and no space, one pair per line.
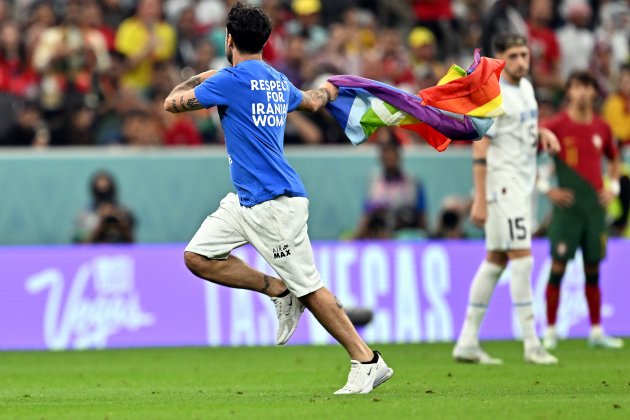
544,45
16,75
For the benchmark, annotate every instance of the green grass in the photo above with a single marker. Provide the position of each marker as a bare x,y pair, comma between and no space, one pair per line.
298,382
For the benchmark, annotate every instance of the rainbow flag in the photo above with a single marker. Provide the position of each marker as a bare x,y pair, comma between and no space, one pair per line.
460,107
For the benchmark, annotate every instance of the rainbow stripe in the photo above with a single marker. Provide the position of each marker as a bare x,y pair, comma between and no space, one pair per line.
460,107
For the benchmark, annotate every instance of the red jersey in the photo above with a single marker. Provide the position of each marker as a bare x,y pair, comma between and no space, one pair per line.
544,48
583,145
433,10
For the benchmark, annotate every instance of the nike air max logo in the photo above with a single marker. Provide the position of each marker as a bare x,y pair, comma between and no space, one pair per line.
281,251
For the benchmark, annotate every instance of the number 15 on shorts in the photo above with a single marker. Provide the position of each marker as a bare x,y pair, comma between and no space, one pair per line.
517,226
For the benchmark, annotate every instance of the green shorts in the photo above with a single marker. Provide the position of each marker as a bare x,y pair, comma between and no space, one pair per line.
570,229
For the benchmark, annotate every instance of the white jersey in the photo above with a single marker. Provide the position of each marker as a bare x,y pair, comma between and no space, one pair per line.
513,137
511,169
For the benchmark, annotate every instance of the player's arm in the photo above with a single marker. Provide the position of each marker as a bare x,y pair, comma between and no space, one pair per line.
548,141
478,211
182,98
614,173
315,99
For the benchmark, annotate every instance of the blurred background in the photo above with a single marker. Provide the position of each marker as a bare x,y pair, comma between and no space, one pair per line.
92,74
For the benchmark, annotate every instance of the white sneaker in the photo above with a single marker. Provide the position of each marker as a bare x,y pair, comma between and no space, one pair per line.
604,341
539,356
550,339
474,354
289,310
363,378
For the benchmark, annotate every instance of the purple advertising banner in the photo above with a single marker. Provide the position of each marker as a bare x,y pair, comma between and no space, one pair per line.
79,297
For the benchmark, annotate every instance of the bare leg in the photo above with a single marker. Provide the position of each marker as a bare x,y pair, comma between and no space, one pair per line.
323,305
233,272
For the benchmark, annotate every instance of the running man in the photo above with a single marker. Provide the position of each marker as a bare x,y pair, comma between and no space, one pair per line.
270,209
504,171
579,202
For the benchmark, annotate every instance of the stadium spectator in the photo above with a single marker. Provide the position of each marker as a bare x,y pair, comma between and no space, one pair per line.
425,66
574,36
141,128
337,37
601,67
544,46
77,128
274,49
616,109
187,38
307,25
115,11
41,16
27,128
17,77
615,29
395,62
69,57
144,39
451,218
579,202
105,220
396,202
93,15
295,61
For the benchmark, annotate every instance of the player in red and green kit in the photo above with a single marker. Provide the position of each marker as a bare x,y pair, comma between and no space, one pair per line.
580,200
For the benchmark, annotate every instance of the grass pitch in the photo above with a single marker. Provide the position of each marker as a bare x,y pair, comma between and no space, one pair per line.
298,382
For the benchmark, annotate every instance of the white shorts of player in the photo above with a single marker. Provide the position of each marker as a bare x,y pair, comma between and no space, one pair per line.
509,219
276,228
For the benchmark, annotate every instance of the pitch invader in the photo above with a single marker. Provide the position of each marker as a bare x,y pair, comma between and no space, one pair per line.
580,200
504,171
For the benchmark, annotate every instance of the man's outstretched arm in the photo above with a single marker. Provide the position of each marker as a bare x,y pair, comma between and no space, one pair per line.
314,100
182,98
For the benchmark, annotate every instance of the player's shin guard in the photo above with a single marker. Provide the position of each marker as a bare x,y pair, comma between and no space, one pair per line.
521,292
593,297
480,293
552,295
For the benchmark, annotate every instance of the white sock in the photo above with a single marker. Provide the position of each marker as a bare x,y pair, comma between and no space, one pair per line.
597,331
480,293
521,291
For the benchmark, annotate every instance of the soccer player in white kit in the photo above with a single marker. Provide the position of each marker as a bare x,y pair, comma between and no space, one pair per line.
504,170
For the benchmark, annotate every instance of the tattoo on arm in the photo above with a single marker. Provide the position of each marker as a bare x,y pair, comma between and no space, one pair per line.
193,103
183,87
314,100
266,278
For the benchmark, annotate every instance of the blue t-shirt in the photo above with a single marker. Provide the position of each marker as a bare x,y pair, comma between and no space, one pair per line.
253,100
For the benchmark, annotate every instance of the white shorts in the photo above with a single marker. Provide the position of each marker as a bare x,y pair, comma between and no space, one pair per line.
276,228
509,220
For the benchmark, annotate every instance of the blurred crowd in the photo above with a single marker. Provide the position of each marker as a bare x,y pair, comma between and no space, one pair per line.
95,72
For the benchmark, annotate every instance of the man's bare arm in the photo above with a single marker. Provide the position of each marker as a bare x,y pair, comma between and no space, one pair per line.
315,99
182,98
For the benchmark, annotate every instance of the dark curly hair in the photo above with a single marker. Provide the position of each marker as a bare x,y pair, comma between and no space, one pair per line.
504,41
249,26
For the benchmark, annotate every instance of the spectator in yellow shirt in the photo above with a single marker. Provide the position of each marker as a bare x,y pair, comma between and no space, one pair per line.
144,39
617,108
